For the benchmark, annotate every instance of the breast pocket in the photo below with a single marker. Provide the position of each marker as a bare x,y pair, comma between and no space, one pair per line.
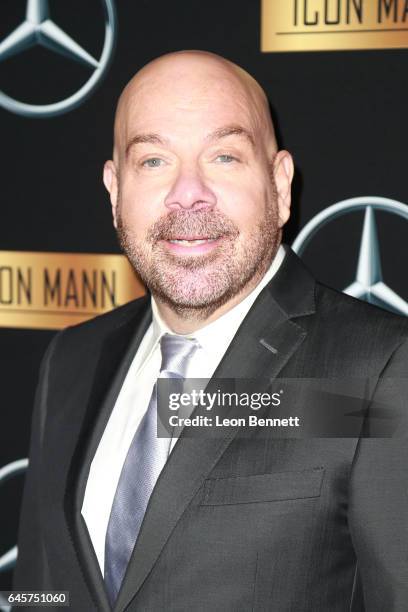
276,486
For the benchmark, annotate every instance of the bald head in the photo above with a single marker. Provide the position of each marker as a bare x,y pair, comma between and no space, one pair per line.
199,192
189,81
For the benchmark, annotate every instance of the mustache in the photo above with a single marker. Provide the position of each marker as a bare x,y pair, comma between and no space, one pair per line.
183,224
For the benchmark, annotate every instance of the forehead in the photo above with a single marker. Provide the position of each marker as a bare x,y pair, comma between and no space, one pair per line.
187,104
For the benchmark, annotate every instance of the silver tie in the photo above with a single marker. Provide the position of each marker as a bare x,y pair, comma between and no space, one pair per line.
144,461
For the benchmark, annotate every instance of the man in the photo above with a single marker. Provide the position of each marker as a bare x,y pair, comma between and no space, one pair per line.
125,520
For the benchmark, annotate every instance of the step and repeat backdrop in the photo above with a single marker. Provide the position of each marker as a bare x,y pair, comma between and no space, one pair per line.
335,73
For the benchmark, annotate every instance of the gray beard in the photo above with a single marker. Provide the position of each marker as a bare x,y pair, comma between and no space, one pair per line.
195,287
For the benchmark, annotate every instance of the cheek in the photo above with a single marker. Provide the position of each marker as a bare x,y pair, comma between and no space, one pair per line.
244,204
140,205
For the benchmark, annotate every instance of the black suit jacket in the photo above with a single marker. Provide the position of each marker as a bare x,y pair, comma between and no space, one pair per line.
234,523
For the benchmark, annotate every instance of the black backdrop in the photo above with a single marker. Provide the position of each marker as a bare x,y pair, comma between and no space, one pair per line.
341,114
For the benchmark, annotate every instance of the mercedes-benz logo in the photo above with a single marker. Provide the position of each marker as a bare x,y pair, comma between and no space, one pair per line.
8,559
39,29
368,284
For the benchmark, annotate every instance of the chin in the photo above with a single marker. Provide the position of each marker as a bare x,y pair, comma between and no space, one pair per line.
185,297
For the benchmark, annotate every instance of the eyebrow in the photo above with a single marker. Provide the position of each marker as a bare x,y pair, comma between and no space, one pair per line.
223,132
232,130
145,138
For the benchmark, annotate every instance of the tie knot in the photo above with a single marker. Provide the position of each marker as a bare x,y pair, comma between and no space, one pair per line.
176,351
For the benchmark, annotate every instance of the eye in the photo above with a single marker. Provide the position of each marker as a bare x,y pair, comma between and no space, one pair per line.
153,162
225,158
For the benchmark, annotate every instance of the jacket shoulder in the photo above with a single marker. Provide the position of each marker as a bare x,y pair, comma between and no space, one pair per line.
95,330
355,316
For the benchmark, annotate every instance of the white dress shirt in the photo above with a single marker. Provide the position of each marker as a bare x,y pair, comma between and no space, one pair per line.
134,397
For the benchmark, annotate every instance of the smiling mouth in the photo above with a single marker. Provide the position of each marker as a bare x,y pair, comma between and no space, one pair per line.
192,241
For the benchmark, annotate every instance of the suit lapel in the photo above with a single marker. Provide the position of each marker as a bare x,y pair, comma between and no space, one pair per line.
116,355
264,343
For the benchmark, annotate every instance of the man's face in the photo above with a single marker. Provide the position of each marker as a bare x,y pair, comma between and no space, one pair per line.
196,208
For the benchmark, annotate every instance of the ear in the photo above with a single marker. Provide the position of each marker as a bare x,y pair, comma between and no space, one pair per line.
283,169
110,181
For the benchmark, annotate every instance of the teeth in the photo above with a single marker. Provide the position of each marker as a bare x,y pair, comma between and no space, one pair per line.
192,242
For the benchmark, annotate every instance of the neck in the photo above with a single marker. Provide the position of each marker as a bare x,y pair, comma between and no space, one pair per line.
189,320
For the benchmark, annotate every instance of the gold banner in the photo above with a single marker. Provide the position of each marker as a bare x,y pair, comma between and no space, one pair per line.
54,290
333,25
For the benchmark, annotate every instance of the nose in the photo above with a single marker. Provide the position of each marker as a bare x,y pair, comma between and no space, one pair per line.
189,191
